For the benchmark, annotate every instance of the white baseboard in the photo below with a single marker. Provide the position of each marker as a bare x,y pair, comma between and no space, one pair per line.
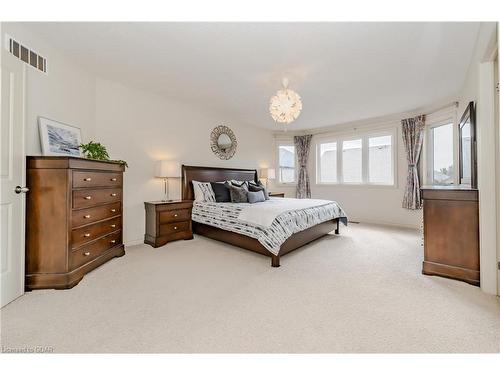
390,224
139,241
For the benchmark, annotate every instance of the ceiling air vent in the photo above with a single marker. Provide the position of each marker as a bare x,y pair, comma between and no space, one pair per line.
26,54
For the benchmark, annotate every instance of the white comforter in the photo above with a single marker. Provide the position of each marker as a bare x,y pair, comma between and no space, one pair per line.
264,213
270,222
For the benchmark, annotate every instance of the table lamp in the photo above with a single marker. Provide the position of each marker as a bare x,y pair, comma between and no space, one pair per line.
167,169
267,173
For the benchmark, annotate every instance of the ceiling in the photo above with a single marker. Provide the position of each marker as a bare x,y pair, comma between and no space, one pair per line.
343,71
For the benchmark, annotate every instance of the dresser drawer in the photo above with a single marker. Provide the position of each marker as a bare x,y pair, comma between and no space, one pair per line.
90,215
93,197
183,226
174,215
90,232
85,254
82,179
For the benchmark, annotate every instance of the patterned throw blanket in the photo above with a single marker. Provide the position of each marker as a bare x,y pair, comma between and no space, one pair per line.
227,216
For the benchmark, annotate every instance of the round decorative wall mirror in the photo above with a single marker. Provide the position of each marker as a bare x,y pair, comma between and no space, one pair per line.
223,142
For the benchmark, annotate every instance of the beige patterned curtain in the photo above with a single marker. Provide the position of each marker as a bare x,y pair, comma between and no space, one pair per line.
302,144
413,137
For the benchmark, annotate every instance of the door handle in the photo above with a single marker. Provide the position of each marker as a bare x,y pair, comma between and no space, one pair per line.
20,190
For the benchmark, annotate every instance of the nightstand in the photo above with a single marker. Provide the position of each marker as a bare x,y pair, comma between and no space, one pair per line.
277,195
167,222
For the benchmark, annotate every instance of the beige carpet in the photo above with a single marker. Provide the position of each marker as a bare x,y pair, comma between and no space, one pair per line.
361,291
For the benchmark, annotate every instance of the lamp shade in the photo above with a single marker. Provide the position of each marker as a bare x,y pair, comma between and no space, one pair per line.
168,168
267,173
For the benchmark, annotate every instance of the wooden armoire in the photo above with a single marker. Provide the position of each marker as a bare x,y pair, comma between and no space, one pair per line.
451,232
73,219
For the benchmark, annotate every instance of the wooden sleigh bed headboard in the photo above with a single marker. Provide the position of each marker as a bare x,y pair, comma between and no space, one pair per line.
212,174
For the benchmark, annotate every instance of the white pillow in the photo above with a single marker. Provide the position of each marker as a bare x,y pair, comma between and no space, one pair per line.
203,192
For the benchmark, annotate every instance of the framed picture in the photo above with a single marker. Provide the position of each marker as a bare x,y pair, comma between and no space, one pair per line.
59,139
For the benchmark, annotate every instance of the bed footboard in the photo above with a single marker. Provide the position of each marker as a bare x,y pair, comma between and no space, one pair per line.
294,242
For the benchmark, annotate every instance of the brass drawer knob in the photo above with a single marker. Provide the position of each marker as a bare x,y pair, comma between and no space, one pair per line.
86,235
88,197
175,215
86,216
113,225
113,194
113,210
113,179
87,179
87,253
112,241
175,228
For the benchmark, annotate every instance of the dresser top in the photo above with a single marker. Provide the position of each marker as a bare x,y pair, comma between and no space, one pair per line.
72,162
175,201
448,187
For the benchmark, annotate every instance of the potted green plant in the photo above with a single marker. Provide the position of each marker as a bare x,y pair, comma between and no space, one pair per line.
96,151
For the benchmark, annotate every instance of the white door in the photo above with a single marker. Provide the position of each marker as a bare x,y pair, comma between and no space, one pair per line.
12,167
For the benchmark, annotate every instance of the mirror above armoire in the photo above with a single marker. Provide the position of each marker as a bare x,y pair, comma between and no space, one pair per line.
467,148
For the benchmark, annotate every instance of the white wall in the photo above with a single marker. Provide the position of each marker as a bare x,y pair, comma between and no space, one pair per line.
368,204
134,125
470,89
373,204
66,93
141,128
479,87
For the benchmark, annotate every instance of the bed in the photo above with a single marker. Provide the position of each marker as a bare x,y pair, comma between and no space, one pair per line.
220,221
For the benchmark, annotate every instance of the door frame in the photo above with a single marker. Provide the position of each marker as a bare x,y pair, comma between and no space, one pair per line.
487,161
497,121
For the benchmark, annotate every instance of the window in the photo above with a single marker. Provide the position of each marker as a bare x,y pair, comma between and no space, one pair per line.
286,162
328,165
380,170
441,156
367,159
352,161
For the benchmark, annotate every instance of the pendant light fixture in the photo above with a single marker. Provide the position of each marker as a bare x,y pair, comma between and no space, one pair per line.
286,105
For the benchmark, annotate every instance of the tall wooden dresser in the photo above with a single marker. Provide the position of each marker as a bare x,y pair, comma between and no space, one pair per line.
73,219
451,232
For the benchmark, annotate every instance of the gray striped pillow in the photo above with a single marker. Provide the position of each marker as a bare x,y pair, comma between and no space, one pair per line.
203,192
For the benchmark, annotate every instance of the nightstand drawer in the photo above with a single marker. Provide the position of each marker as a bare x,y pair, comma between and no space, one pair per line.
183,226
174,215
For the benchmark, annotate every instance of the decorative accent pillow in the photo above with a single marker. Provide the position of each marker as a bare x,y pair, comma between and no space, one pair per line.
221,191
203,192
258,186
256,196
238,194
238,183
